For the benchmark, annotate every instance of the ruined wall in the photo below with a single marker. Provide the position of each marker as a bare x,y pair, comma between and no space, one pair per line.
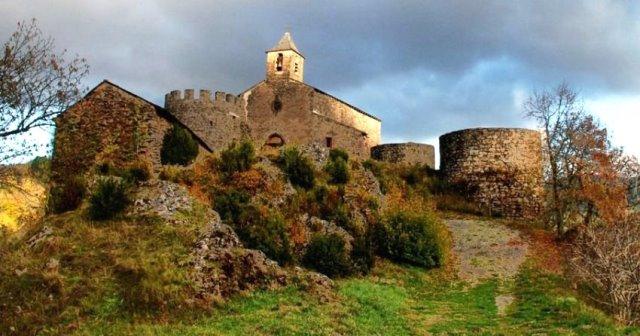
217,120
499,168
109,125
407,153
286,108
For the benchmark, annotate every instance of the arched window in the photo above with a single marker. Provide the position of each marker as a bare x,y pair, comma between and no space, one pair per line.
275,140
279,61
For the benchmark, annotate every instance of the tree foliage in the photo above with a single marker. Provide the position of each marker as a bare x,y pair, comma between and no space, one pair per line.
37,83
178,147
582,169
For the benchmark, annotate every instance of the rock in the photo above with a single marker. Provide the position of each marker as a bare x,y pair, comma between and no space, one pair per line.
41,235
161,198
52,265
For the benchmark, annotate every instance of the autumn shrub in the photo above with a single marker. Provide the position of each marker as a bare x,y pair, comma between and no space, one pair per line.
177,174
297,167
178,147
265,230
417,238
109,199
251,181
66,196
236,158
327,254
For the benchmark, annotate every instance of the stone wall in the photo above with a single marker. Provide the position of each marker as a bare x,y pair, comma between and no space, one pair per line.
499,168
109,125
217,120
406,153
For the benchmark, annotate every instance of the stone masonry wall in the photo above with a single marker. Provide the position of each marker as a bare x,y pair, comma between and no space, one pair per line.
109,125
499,168
407,153
218,121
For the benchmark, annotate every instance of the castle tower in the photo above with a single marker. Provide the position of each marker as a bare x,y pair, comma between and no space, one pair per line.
284,60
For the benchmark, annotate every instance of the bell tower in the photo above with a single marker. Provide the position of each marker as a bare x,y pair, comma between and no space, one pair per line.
284,61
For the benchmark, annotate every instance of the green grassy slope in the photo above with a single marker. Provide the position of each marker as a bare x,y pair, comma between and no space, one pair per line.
395,300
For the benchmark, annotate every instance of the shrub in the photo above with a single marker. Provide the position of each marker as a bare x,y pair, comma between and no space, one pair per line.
137,172
327,254
297,167
265,232
363,253
178,147
236,158
337,153
230,204
415,238
338,171
109,199
177,174
66,196
606,260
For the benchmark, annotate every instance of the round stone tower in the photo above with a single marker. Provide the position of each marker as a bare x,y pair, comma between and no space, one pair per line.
498,168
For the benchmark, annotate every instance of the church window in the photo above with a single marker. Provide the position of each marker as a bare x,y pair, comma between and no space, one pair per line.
279,62
276,106
329,141
295,69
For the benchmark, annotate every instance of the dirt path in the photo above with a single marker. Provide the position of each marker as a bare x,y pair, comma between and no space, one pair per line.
485,250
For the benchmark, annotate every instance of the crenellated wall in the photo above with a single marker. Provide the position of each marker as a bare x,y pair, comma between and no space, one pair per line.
499,168
218,120
406,153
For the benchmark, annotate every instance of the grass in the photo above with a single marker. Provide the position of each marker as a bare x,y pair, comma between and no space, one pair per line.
394,300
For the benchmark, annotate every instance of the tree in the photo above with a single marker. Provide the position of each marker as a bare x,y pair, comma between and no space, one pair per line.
581,172
37,83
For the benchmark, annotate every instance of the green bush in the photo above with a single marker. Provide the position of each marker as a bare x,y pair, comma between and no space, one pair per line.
338,171
265,232
363,253
66,196
178,147
298,168
236,158
414,238
230,204
337,153
109,199
327,254
337,166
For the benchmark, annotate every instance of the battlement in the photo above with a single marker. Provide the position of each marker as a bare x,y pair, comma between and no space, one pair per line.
204,97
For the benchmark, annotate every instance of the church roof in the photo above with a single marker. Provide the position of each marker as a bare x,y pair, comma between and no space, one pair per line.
285,43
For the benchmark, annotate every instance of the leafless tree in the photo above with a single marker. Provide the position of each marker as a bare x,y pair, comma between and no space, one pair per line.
36,84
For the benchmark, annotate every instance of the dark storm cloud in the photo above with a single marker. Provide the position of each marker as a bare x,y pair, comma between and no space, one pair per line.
424,67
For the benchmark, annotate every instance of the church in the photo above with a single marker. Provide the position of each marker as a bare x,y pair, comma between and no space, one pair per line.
279,110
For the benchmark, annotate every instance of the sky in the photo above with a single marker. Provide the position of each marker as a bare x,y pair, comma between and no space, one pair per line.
424,67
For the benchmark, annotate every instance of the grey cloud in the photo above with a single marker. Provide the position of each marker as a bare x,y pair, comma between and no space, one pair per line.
440,64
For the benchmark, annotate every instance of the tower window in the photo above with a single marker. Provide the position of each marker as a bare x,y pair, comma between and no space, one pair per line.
279,62
329,141
295,69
